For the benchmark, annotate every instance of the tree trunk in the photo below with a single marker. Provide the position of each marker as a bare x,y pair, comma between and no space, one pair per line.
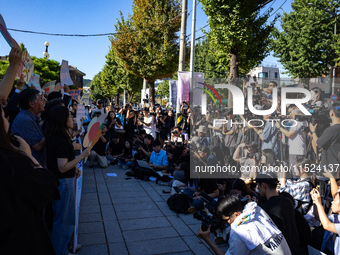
117,99
233,76
152,92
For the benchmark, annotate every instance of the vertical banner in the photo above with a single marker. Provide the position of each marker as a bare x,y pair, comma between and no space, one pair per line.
26,67
183,92
79,185
65,75
173,92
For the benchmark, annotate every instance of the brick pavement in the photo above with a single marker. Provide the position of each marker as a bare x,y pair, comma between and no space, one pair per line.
119,216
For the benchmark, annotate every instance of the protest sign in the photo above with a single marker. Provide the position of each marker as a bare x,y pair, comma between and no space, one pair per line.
85,99
94,131
49,87
4,32
75,94
34,82
26,67
87,116
65,75
80,115
57,87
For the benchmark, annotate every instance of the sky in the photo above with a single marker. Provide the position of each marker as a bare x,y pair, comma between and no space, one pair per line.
84,17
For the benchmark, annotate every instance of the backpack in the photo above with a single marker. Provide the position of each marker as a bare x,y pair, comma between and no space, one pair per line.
179,203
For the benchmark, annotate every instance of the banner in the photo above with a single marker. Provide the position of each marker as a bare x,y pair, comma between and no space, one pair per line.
34,82
26,67
75,94
79,185
48,87
173,92
183,92
85,99
57,87
65,75
87,116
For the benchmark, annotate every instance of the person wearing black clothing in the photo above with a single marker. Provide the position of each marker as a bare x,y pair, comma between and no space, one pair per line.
116,146
62,162
164,126
112,123
280,209
145,150
74,108
26,188
329,141
99,149
130,121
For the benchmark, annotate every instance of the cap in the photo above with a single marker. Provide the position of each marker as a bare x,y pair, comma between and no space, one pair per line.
99,101
267,177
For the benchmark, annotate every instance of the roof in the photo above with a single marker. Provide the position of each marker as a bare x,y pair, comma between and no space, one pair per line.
73,68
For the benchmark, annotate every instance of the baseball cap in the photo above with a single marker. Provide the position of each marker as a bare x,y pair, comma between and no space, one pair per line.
99,101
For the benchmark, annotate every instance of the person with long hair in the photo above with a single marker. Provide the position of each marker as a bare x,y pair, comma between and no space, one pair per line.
25,189
62,162
112,123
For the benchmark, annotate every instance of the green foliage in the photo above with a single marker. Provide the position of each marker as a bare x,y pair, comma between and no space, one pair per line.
151,52
3,67
205,61
237,29
164,88
305,43
95,87
48,70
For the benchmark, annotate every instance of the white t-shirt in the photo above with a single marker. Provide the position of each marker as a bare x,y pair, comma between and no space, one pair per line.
297,142
149,130
275,245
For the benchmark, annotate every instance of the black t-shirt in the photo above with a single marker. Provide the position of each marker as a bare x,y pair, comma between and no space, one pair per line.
60,147
281,211
147,148
208,185
329,142
117,149
129,124
100,147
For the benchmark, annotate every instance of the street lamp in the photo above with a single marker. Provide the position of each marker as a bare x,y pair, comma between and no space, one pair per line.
335,15
46,51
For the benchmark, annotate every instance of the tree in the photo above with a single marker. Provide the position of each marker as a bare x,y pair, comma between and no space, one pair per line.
96,91
115,79
146,43
239,35
48,70
305,44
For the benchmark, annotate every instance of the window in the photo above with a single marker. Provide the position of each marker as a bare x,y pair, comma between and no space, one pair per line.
276,75
263,75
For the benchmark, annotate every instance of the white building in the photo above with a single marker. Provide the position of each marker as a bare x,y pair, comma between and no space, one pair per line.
263,72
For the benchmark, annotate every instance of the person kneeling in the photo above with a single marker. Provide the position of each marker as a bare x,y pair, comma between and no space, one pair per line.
252,230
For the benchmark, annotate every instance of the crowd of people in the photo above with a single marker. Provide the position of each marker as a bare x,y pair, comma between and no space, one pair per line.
264,212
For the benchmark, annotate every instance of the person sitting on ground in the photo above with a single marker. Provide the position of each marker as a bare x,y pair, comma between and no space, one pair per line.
224,186
112,123
127,161
116,147
239,187
99,149
252,230
145,150
158,158
280,209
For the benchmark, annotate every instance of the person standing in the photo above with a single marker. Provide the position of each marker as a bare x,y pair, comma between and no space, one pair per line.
62,162
26,123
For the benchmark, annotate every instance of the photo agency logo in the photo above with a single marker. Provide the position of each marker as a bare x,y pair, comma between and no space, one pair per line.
239,104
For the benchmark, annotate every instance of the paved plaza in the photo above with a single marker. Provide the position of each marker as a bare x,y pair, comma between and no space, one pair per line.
119,216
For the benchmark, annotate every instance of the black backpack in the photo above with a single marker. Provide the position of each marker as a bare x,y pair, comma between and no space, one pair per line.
179,203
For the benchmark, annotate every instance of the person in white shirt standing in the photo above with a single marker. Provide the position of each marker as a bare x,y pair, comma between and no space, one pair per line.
148,123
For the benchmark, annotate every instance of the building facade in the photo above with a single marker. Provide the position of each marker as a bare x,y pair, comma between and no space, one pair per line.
76,76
